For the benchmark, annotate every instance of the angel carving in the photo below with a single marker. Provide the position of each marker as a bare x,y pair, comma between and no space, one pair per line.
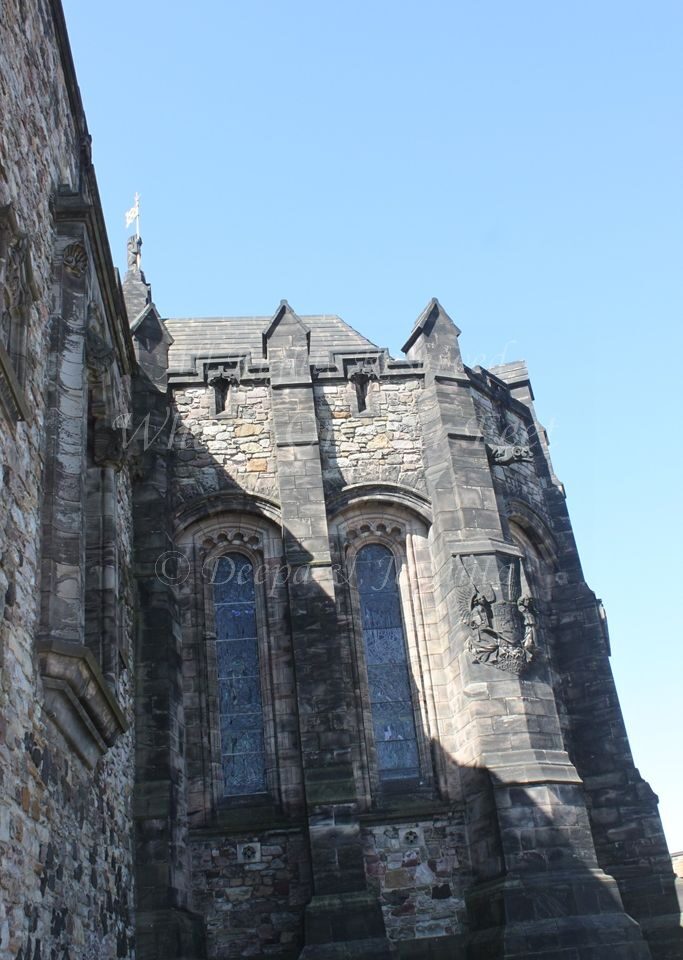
524,605
495,634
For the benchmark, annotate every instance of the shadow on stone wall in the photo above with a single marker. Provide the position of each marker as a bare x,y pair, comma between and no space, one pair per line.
536,889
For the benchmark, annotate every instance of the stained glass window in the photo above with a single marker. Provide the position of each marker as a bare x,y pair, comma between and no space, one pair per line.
393,717
239,682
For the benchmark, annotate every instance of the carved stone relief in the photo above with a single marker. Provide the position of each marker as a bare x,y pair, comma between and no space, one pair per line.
371,528
231,537
503,454
75,260
496,612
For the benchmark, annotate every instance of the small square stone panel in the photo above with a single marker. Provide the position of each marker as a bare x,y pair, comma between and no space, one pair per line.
249,852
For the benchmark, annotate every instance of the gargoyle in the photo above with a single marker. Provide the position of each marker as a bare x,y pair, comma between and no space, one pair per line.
503,454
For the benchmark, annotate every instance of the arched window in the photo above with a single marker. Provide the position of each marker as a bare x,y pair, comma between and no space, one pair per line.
389,684
240,705
240,708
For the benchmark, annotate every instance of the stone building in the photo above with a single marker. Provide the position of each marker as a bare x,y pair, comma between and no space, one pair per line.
296,654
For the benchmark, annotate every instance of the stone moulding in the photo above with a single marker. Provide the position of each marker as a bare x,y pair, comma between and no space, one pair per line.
226,501
79,700
375,492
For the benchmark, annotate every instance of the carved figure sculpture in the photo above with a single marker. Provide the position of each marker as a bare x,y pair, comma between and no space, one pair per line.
524,605
134,248
503,454
501,626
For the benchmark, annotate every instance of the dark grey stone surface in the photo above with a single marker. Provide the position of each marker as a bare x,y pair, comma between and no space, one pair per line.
397,736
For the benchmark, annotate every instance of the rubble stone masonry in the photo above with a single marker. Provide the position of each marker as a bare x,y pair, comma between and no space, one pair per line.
66,870
391,729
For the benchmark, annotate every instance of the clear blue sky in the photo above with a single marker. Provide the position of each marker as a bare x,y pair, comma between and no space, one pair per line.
521,161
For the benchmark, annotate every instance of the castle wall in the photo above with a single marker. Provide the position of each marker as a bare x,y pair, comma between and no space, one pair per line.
622,809
65,829
505,832
252,889
418,869
383,444
230,452
385,438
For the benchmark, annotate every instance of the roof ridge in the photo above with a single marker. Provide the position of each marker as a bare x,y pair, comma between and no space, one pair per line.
250,316
349,327
194,336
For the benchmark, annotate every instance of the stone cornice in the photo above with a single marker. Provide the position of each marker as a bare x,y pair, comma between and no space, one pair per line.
78,699
79,208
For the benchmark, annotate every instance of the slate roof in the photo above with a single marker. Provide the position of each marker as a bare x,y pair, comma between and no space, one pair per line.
223,336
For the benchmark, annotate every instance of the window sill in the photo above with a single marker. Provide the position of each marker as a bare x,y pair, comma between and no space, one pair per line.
258,815
79,700
407,808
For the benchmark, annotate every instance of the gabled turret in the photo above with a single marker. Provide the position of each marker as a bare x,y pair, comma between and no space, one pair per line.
150,336
434,340
287,346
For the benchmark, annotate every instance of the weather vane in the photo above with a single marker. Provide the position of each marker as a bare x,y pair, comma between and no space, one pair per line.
134,214
134,243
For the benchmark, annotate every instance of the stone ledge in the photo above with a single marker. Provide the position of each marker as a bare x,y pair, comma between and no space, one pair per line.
528,767
79,700
249,819
475,547
408,809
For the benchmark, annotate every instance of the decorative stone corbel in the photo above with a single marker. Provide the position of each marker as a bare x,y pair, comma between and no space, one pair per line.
79,700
